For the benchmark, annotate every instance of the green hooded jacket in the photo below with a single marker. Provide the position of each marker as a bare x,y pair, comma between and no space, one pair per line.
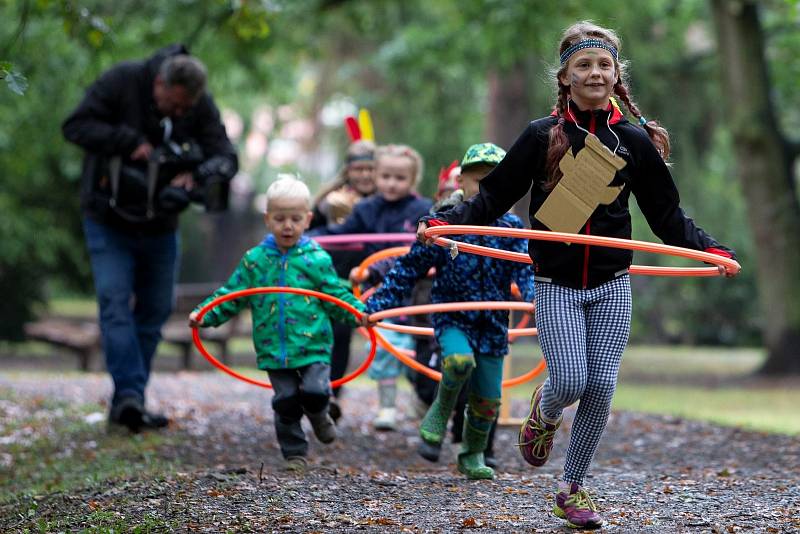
289,331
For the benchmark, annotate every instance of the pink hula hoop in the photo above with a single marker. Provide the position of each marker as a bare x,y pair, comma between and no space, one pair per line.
726,265
358,240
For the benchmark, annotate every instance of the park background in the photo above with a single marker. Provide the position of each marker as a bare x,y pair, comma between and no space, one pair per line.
720,75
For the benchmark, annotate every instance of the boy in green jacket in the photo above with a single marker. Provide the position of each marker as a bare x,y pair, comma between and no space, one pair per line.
292,334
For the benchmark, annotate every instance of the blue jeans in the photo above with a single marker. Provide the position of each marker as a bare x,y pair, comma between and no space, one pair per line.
134,277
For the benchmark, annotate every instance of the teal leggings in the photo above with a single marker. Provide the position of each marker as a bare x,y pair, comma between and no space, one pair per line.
486,380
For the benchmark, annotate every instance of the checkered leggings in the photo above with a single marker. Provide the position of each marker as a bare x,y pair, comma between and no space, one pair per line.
582,333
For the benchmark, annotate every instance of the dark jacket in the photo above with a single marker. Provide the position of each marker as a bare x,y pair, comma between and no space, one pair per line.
374,215
645,175
345,257
465,278
118,113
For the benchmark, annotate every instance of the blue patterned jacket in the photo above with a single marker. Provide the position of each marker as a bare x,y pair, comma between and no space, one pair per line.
468,277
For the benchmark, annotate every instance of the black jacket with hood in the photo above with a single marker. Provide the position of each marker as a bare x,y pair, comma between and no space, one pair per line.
646,175
117,114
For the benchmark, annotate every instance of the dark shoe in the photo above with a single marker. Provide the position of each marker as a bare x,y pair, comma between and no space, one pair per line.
154,421
323,426
297,464
430,451
127,412
335,411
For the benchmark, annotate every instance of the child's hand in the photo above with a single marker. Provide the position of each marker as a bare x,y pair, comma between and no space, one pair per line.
193,322
427,241
366,322
356,277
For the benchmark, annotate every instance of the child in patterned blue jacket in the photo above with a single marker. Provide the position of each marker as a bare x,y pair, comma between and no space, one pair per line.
473,343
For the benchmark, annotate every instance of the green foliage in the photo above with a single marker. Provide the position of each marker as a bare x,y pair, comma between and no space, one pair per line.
15,81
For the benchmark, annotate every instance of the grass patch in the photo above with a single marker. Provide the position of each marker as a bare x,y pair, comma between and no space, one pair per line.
54,448
697,383
73,307
767,410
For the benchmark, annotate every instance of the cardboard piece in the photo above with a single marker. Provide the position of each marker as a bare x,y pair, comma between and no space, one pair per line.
582,188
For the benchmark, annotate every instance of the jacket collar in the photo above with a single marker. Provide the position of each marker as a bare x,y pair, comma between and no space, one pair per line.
270,244
583,117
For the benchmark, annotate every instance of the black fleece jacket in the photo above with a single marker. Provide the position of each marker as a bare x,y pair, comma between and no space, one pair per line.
118,113
645,175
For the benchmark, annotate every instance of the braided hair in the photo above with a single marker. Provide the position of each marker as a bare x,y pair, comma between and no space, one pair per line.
558,143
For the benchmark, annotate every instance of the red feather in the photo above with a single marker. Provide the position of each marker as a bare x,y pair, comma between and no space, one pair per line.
353,131
444,174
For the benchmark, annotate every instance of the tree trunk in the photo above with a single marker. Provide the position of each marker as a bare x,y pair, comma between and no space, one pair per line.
508,114
764,167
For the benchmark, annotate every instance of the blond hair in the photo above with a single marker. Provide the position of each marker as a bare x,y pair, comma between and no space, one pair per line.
402,151
288,186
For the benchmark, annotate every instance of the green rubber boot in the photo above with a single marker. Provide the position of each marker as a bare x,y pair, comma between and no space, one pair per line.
456,369
480,414
470,459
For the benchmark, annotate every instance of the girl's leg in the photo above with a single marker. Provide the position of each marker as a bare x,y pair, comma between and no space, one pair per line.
482,409
457,365
561,319
608,321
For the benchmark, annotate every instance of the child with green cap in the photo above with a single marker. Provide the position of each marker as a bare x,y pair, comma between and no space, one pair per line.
473,343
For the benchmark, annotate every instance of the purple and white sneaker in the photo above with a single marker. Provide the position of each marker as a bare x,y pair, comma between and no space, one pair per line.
577,508
536,435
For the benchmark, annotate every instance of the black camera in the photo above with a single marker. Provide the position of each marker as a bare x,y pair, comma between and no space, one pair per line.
141,191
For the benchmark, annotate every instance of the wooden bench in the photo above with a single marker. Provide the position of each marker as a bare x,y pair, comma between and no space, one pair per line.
81,335
176,331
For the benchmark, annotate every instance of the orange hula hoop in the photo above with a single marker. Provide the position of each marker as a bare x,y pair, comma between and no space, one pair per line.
371,334
722,265
375,258
447,307
513,333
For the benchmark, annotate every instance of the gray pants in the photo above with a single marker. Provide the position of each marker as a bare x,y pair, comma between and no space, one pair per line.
297,391
582,333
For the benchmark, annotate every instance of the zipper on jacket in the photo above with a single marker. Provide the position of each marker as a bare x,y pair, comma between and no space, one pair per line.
281,313
585,278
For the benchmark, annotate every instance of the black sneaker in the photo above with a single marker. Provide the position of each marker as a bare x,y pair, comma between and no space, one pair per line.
151,420
129,412
430,451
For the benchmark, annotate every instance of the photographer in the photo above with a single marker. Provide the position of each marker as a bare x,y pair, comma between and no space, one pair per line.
154,143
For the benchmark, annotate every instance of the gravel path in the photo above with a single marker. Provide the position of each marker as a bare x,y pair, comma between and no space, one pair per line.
651,474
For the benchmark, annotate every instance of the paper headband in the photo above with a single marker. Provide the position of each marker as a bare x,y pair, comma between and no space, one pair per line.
587,43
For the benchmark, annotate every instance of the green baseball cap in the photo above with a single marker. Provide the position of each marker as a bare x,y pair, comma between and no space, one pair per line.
487,153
